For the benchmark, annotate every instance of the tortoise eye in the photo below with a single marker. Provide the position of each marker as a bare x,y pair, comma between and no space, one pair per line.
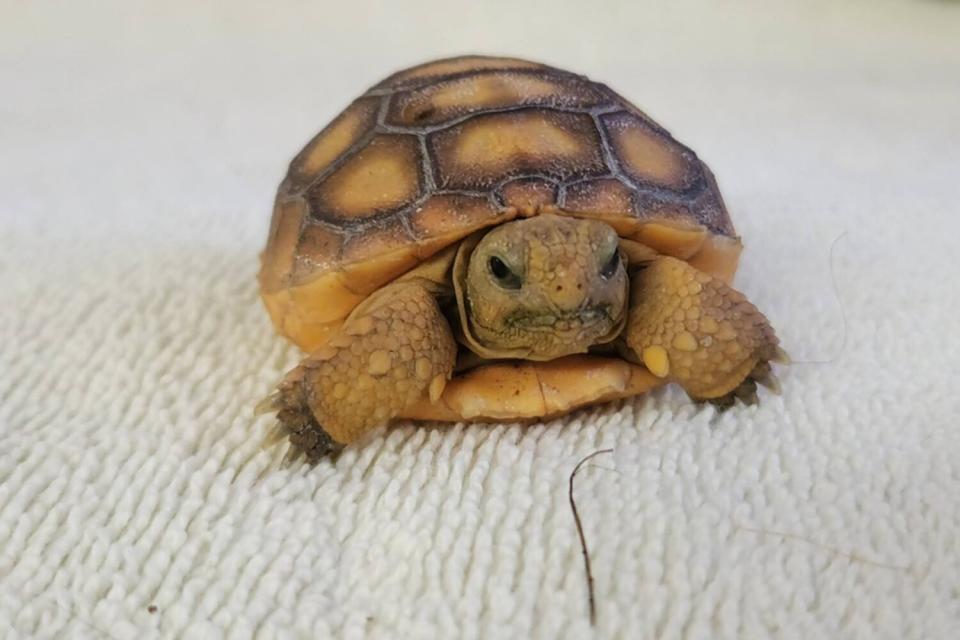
502,273
610,267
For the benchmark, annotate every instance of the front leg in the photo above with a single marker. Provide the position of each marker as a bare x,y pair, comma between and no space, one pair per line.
394,349
689,327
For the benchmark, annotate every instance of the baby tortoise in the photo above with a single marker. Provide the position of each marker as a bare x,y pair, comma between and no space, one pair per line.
487,238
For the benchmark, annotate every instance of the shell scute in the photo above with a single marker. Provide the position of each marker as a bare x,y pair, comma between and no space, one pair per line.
449,67
446,218
448,213
334,140
382,177
319,249
282,245
606,195
648,156
380,238
487,149
529,195
462,96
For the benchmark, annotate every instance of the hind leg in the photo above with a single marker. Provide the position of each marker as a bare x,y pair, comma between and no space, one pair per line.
393,350
689,327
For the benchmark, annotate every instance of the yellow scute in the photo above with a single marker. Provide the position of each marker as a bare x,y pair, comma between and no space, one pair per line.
460,65
530,135
333,141
384,175
647,155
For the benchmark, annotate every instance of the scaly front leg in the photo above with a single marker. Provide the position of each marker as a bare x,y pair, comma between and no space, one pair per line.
394,349
689,327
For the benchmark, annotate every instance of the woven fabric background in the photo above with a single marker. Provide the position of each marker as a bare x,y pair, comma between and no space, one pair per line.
140,146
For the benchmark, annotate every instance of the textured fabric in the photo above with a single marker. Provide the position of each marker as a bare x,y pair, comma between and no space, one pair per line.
139,152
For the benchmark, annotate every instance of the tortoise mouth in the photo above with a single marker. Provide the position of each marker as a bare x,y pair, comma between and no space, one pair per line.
549,334
559,320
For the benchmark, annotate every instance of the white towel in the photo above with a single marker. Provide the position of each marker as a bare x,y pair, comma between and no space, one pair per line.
139,152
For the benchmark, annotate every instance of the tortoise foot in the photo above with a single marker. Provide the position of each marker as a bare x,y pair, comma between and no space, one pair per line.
746,391
691,328
297,423
394,349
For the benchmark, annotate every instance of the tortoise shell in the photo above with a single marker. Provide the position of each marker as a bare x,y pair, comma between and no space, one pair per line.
438,151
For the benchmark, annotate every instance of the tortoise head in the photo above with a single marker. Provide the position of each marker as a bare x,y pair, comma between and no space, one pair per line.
545,287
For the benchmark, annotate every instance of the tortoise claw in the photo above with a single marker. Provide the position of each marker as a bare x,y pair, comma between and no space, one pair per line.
746,391
296,421
277,434
772,384
763,375
722,403
314,442
270,404
294,455
780,356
